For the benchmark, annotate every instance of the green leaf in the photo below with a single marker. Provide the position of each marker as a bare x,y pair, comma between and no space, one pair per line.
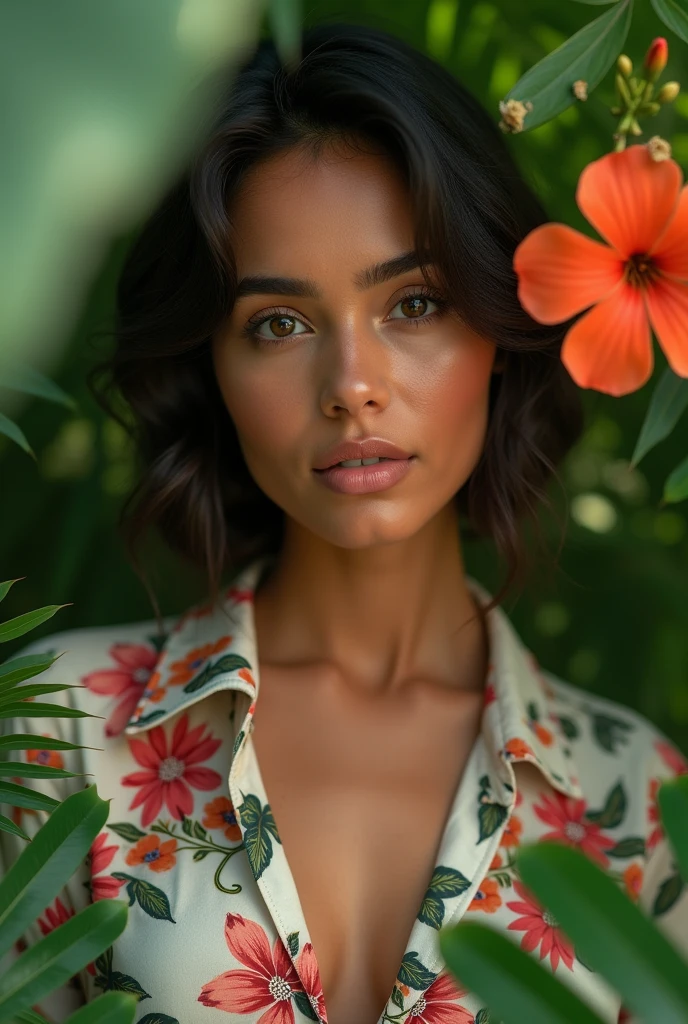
668,893
152,900
490,817
32,770
57,957
200,854
614,809
48,862
676,485
226,665
397,997
414,974
126,830
631,846
285,24
672,798
157,1018
32,741
111,1008
29,1017
447,882
293,943
674,14
303,1004
513,983
21,624
7,825
36,709
667,405
16,795
16,670
615,937
587,55
117,981
597,3
260,829
35,690
11,430
31,382
432,911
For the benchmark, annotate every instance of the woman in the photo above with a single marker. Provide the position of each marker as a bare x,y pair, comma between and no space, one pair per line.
350,734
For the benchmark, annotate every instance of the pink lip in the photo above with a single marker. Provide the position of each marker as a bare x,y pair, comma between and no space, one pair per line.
365,479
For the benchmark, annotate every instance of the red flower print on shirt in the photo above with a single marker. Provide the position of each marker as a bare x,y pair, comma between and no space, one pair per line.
672,757
156,855
168,775
566,814
267,984
541,929
128,681
437,1005
309,974
103,887
653,816
220,813
55,915
183,670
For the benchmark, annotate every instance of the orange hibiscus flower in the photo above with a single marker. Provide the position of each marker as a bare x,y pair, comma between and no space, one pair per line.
149,850
639,279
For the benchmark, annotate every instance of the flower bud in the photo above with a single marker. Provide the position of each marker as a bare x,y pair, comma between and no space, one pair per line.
624,65
668,92
656,58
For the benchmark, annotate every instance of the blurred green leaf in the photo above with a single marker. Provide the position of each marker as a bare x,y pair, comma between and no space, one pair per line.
16,670
587,55
49,860
513,984
31,382
21,796
34,690
33,741
674,14
672,798
667,405
676,485
611,933
21,624
64,951
11,430
285,23
31,770
108,1008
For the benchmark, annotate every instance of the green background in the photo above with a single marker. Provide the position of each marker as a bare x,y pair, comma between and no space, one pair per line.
612,616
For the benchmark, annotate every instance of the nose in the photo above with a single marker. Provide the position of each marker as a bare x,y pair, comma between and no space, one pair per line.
355,371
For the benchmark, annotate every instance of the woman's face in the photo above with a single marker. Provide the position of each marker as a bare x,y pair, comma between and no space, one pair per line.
348,356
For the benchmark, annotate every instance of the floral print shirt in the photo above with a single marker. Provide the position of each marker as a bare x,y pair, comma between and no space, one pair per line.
216,930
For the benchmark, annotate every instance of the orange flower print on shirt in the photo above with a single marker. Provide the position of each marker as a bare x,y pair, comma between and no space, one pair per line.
168,774
51,758
220,813
267,983
128,682
516,748
633,880
151,852
486,896
566,815
541,929
635,279
183,670
437,1005
511,835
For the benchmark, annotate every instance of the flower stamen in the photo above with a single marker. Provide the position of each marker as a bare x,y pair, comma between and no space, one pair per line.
640,270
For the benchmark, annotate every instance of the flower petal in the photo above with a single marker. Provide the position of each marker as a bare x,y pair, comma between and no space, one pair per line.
609,349
236,992
667,306
249,944
561,272
629,197
670,251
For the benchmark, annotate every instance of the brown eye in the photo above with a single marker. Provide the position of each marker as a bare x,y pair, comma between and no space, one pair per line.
414,305
281,325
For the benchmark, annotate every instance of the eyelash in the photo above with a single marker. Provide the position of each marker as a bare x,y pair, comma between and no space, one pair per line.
251,328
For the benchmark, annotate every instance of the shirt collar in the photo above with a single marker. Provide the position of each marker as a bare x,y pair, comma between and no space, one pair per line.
211,648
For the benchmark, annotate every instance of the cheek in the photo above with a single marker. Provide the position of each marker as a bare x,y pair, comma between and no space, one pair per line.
458,398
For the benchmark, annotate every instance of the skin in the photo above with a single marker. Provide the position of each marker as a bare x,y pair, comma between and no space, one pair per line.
370,650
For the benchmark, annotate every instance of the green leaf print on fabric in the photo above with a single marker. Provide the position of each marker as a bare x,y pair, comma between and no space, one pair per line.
303,1005
614,810
158,1018
608,731
414,974
669,891
490,813
145,719
116,981
237,742
125,830
397,998
293,943
259,831
631,846
446,883
212,669
153,901
568,727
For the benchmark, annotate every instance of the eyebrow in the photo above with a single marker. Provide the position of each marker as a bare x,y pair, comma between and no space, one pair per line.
376,274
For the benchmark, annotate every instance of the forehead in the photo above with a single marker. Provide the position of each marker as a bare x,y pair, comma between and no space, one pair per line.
342,205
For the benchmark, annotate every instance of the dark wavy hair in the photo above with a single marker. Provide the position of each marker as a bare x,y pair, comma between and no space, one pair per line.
471,208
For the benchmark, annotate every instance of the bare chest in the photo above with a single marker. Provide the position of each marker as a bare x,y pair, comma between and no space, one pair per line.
360,786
